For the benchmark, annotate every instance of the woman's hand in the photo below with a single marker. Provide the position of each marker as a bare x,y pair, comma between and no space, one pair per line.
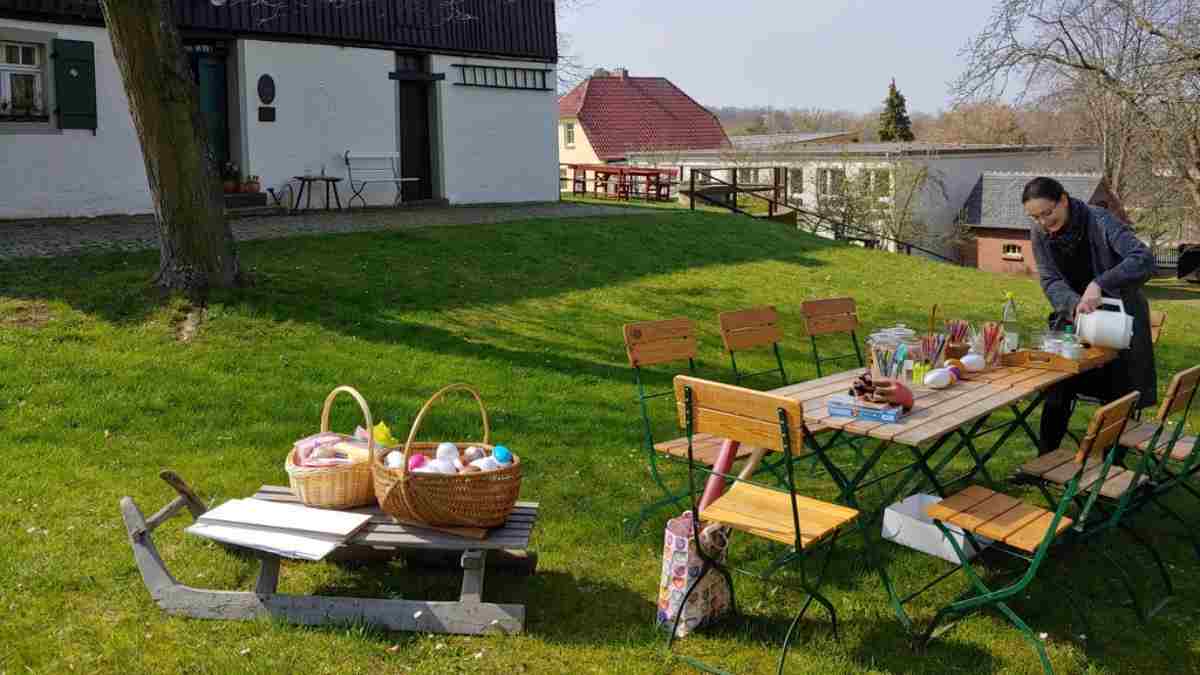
1091,299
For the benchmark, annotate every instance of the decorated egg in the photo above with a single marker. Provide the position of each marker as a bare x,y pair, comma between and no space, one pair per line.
955,363
973,362
417,461
939,378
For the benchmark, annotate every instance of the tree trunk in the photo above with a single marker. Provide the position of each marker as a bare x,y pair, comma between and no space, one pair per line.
195,243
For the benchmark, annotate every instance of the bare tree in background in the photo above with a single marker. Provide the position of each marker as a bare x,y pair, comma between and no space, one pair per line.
1135,65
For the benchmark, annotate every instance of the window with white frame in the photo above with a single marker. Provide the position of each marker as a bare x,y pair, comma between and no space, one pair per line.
796,180
569,135
1013,252
22,82
831,182
881,182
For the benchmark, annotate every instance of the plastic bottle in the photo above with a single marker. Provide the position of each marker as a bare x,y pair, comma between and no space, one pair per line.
1012,330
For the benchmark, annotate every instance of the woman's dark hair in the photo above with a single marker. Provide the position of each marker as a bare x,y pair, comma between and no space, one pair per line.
1043,188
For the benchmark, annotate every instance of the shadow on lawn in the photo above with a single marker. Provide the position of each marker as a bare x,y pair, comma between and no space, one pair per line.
1171,289
344,282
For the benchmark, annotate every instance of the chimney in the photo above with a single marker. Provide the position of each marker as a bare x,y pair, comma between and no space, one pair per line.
600,72
621,73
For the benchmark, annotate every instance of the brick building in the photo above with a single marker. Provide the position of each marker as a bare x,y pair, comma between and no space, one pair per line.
1000,226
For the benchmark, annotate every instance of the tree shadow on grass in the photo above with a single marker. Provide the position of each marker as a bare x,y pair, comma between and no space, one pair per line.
1172,290
338,280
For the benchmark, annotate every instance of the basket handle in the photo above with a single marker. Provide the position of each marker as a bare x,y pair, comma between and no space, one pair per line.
416,425
362,404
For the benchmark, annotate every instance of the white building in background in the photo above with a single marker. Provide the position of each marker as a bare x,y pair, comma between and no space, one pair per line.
817,172
470,111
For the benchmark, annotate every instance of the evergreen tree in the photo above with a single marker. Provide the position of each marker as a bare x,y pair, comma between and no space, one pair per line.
894,124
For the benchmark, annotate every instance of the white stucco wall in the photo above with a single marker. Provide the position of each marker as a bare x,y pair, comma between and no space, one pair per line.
73,173
496,145
328,100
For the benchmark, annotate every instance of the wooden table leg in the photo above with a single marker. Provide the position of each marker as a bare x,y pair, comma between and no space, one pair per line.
268,575
473,567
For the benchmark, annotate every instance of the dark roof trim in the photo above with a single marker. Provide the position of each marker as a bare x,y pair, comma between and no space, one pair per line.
513,29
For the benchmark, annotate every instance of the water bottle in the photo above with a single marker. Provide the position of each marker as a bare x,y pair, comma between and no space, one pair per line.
1012,331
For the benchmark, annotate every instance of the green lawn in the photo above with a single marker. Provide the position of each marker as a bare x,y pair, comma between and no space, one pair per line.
97,396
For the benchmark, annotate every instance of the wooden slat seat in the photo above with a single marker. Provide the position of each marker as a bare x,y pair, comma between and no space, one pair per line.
1060,466
705,448
998,517
1140,436
767,513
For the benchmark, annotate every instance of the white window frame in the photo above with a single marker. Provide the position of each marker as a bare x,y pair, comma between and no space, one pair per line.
569,134
1013,252
43,82
825,182
10,71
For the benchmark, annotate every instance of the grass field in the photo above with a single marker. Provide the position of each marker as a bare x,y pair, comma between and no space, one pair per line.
97,396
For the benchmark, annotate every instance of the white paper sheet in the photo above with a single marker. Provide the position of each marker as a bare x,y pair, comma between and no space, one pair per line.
289,530
286,544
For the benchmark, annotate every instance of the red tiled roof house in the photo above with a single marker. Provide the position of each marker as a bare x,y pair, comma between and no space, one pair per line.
608,116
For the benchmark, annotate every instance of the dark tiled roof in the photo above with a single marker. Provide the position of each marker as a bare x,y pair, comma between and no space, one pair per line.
759,141
623,114
995,201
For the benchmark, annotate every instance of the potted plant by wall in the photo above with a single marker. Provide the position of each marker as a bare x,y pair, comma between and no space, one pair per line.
229,178
252,185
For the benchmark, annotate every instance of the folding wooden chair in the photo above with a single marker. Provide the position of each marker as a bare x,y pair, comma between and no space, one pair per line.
829,317
1173,454
655,343
775,423
751,329
1024,531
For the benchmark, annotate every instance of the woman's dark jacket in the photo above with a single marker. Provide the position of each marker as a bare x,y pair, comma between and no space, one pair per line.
1121,264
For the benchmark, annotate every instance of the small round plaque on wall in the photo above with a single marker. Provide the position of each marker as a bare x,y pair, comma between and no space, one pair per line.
266,89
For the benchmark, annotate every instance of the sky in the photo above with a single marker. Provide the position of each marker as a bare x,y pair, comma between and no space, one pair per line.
836,54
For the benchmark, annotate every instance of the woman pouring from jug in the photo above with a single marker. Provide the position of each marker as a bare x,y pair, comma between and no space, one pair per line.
1084,255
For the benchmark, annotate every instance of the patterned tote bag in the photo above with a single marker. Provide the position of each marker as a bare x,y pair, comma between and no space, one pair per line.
681,566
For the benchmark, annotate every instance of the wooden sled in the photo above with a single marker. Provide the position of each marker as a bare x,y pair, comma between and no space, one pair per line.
468,616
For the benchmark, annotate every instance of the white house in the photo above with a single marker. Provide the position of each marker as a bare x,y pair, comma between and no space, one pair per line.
469,106
817,172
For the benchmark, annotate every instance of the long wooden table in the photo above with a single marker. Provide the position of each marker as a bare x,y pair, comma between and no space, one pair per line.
938,417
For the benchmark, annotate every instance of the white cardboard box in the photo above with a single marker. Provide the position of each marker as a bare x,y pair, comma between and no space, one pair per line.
906,524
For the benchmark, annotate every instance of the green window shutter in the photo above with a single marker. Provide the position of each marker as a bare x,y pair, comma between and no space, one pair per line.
75,84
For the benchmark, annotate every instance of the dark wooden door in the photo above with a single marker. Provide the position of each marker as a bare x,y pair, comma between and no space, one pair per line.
415,146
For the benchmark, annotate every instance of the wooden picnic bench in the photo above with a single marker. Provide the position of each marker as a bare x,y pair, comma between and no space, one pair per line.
469,615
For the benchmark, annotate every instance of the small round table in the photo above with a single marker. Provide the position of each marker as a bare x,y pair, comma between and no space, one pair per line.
307,181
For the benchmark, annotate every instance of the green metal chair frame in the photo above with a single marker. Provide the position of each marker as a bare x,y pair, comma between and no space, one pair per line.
1166,472
828,317
653,343
749,329
1104,432
768,421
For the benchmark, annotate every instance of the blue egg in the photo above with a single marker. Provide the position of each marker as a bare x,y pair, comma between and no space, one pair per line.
502,454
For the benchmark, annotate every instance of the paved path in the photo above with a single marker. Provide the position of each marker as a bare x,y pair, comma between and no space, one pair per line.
33,239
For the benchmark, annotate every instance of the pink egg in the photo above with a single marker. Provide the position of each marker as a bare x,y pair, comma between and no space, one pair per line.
416,461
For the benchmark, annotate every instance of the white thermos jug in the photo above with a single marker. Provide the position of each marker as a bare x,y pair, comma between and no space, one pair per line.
1106,329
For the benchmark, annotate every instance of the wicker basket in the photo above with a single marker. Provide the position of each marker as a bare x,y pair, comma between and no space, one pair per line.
335,487
478,499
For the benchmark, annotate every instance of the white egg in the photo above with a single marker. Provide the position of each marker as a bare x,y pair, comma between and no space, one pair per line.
973,362
938,379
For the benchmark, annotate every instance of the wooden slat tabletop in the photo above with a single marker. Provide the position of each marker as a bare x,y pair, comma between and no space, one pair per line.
935,413
384,533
